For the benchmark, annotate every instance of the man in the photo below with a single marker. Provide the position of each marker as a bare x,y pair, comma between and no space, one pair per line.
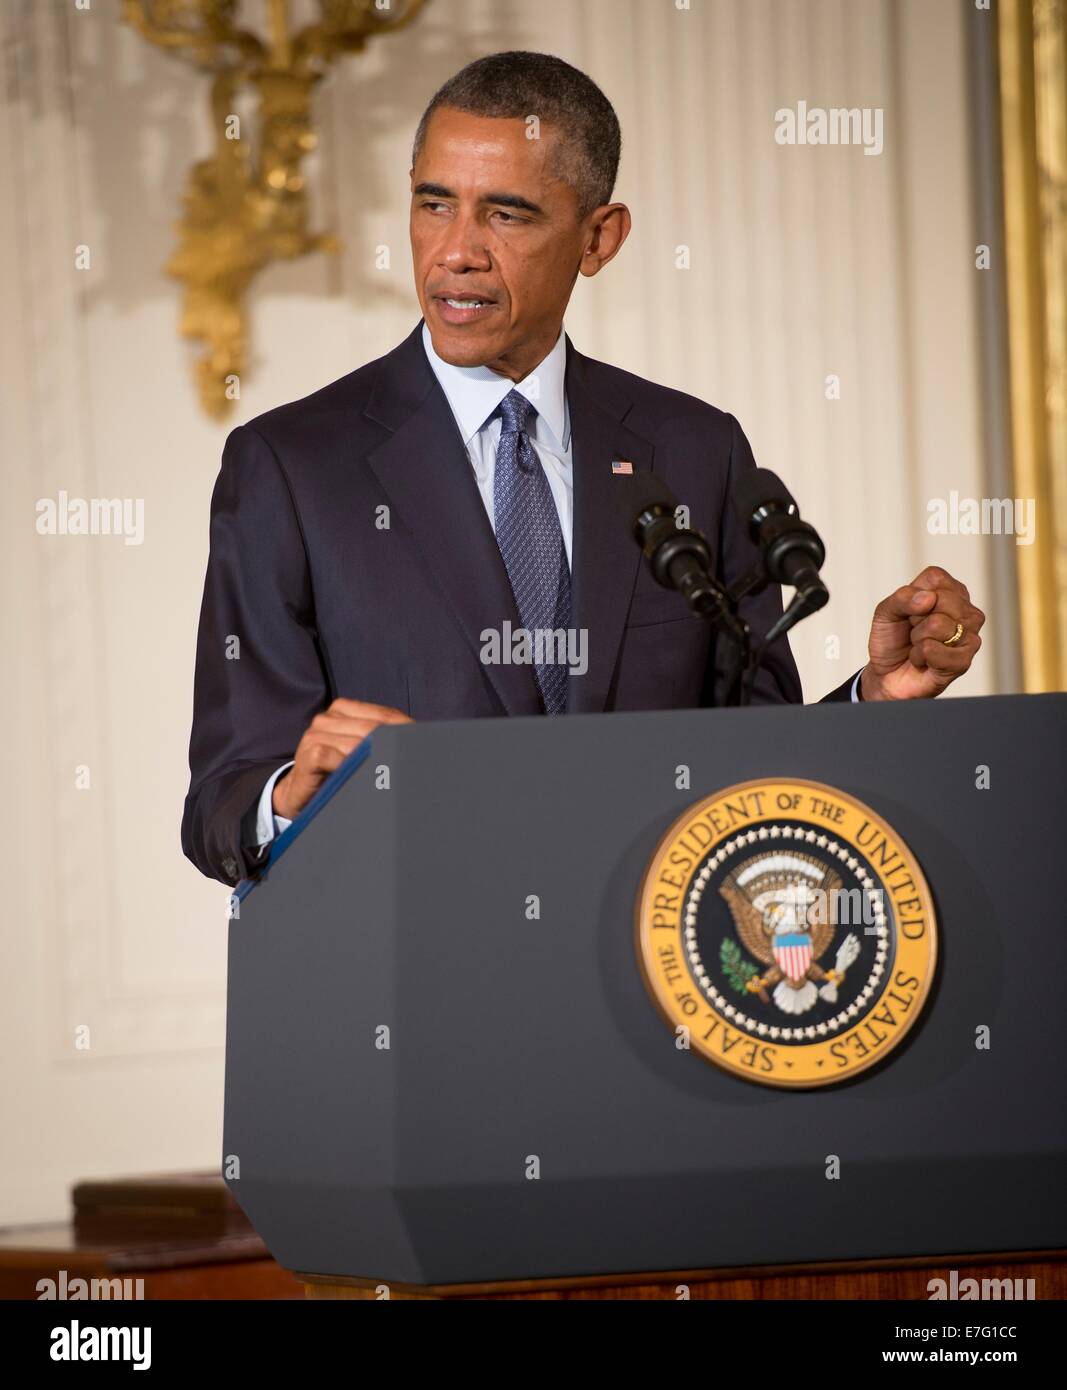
375,546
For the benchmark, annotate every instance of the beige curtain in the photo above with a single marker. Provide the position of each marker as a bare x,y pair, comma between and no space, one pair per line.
1033,89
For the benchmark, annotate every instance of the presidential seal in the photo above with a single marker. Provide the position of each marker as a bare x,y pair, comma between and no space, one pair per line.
787,933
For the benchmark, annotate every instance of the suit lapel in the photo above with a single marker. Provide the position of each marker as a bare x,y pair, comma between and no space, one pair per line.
605,555
424,470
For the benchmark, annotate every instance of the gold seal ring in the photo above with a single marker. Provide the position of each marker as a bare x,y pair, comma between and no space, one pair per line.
951,641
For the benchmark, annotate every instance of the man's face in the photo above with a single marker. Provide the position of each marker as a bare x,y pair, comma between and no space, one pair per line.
491,222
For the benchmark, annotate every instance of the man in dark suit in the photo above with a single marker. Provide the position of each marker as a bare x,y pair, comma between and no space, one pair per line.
394,546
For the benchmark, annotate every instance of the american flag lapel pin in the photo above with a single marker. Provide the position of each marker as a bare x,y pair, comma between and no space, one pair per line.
621,466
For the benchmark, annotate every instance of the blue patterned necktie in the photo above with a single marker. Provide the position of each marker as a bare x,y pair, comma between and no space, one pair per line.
531,543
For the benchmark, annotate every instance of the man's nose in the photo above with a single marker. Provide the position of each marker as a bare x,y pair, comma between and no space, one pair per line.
464,246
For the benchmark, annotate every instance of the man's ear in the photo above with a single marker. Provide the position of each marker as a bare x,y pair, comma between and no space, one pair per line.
610,230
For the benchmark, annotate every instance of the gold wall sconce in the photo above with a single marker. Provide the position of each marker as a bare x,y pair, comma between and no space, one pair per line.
246,205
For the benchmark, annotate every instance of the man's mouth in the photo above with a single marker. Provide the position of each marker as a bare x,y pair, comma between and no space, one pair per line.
462,308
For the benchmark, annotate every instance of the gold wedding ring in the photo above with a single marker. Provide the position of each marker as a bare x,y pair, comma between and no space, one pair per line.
951,641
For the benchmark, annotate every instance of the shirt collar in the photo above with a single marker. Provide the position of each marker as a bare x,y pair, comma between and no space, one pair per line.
475,392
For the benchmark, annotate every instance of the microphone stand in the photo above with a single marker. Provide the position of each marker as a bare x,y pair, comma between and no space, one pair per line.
680,559
805,601
745,654
723,615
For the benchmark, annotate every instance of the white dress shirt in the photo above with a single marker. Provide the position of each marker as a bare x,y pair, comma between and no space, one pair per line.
474,394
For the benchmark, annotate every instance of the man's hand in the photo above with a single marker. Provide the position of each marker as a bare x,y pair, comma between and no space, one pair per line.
909,658
327,741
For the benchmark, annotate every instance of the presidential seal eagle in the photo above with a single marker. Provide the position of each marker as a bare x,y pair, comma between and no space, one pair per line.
781,903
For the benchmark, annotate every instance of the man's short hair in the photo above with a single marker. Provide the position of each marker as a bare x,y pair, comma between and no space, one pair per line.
520,84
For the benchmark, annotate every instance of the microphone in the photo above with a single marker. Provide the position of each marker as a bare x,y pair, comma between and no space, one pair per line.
678,557
792,550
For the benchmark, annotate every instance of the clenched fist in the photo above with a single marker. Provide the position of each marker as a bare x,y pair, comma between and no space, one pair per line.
923,637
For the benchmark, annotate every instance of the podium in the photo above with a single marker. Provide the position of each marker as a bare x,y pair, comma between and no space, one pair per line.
445,1066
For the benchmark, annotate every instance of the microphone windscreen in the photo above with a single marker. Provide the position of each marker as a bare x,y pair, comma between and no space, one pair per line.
759,488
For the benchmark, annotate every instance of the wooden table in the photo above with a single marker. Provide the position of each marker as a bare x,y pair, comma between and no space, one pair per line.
173,1263
867,1279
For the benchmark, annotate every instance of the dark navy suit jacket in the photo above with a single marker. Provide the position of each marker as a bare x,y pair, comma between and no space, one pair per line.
325,600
